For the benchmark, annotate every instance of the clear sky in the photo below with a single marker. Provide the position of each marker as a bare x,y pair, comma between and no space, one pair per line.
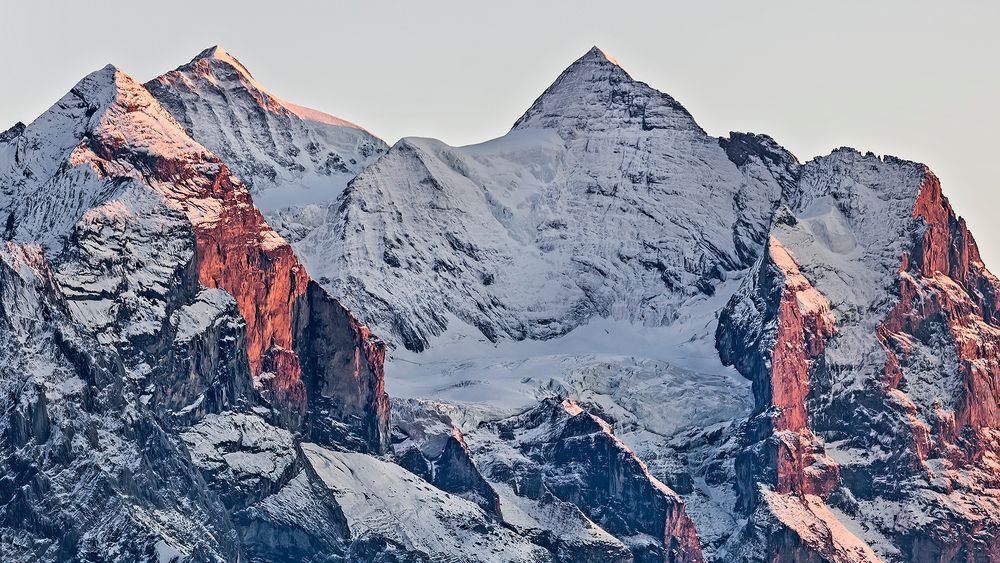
916,79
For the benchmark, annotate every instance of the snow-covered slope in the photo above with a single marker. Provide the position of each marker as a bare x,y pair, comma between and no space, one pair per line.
287,154
605,200
161,304
380,498
607,208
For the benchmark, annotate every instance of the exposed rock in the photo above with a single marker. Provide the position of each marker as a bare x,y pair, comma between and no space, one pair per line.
13,132
427,443
773,329
168,354
891,385
143,342
344,363
88,472
558,450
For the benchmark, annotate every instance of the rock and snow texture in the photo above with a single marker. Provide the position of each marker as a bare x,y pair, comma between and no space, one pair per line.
605,200
617,338
287,154
561,458
384,499
89,471
161,299
866,340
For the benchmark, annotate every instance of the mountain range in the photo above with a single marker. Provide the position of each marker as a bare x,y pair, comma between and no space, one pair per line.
607,336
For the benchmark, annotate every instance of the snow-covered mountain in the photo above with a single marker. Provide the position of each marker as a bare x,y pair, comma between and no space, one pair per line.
179,388
287,154
611,337
606,199
607,207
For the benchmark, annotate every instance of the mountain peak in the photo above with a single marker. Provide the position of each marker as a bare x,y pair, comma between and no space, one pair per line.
600,55
596,93
217,53
108,86
215,65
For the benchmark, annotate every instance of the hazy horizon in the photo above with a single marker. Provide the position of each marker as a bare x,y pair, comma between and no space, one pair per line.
917,80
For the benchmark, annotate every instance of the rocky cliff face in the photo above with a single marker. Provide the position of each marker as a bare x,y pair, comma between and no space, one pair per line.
135,142
168,301
557,452
774,329
89,470
887,341
427,443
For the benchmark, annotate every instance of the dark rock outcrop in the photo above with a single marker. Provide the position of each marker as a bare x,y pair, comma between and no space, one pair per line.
559,450
426,442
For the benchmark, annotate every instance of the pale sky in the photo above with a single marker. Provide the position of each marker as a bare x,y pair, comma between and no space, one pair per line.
915,79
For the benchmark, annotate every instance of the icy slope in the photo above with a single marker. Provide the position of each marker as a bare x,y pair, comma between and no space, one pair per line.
605,200
287,154
380,498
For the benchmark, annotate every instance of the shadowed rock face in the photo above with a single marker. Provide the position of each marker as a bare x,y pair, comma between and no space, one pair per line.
426,442
237,252
84,466
558,450
344,363
289,318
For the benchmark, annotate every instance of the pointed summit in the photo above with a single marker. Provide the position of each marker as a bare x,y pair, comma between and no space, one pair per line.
100,88
106,105
217,53
216,69
596,93
267,141
597,54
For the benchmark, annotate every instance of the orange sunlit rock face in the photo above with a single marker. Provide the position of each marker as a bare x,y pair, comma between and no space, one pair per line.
804,322
778,355
288,317
944,282
240,254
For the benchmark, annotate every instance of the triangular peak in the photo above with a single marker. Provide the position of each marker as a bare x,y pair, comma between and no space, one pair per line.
595,91
100,88
217,53
105,103
597,54
212,69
